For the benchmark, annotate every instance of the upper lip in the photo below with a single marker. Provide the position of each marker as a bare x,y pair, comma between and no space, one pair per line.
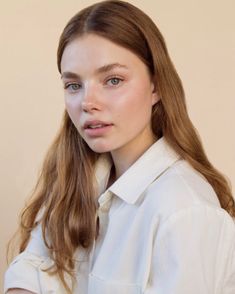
94,123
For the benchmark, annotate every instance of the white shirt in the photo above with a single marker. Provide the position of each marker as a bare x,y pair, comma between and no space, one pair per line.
162,231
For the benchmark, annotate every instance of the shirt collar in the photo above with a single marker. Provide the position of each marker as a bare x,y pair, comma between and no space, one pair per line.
151,165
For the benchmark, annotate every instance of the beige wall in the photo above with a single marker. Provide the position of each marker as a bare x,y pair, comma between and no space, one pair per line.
201,40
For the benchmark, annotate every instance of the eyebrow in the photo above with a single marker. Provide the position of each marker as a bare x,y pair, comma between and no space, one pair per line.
102,69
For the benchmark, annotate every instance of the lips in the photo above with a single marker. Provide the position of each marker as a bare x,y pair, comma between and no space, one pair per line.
97,129
95,124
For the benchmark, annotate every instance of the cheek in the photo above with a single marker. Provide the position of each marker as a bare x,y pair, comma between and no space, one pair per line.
73,108
72,103
139,102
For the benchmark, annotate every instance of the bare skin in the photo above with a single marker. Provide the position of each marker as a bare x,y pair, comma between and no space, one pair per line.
111,86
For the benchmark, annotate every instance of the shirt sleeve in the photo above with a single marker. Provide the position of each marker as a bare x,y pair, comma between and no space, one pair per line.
27,270
194,252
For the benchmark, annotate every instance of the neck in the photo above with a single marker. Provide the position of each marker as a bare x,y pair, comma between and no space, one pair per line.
124,157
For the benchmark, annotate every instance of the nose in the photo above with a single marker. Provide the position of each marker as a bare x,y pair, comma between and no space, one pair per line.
89,106
90,101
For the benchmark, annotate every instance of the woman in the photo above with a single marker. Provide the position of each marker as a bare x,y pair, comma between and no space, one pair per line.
127,201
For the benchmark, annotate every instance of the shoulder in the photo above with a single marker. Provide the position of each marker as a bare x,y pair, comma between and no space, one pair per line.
179,188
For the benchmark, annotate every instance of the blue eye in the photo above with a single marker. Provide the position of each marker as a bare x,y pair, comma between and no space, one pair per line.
73,87
115,81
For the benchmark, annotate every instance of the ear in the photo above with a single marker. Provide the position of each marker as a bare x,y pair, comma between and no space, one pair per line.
155,97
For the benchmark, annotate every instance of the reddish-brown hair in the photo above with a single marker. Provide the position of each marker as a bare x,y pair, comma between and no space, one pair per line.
65,189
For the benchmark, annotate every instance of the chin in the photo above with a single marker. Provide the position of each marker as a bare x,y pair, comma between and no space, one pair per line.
100,148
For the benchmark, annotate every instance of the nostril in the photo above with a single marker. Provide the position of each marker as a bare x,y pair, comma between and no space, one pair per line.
89,106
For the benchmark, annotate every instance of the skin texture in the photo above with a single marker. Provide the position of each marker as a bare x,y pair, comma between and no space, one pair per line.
123,97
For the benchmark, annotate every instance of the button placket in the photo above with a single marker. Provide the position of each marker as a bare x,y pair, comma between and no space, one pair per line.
102,213
105,201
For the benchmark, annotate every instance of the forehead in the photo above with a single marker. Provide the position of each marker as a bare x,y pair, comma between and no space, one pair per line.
92,51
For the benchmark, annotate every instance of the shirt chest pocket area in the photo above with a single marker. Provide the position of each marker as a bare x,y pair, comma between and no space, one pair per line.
98,285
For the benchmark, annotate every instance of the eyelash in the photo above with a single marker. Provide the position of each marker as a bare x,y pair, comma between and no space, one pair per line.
66,86
113,78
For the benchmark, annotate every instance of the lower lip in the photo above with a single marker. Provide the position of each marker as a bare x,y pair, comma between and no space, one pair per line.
98,131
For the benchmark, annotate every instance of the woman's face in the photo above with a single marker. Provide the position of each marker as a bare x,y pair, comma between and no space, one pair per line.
108,94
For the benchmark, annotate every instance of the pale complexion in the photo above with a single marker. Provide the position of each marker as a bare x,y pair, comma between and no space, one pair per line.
107,83
110,87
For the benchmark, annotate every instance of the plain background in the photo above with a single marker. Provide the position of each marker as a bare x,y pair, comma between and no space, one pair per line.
200,36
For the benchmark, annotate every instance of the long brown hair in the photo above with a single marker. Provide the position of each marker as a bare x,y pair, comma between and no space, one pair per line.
65,189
